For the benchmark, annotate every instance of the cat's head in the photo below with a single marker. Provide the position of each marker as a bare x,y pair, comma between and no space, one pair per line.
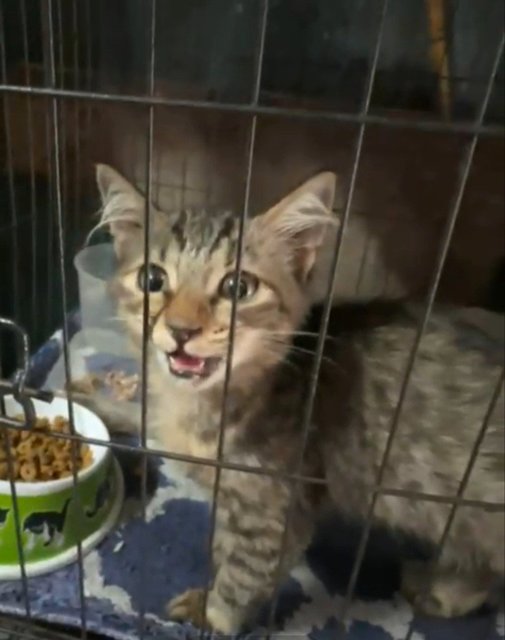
191,277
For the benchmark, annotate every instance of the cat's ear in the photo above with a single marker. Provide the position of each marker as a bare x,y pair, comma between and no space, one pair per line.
123,209
301,221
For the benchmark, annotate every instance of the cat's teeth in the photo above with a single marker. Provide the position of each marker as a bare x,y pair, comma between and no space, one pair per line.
183,365
187,364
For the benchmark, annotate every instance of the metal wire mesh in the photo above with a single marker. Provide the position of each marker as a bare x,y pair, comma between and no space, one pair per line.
57,57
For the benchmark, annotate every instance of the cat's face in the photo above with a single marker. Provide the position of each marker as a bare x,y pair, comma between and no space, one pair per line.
192,282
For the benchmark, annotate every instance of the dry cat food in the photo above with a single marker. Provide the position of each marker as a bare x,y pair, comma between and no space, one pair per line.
37,456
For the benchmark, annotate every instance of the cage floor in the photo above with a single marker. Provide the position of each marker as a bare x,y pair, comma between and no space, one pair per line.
142,565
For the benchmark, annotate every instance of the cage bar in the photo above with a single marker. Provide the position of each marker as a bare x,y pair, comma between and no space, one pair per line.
323,329
76,195
46,63
233,316
48,10
273,473
471,463
33,192
10,174
145,305
496,131
444,248
10,464
59,45
59,172
466,477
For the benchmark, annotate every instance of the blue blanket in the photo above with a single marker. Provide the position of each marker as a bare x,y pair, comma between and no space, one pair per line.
141,565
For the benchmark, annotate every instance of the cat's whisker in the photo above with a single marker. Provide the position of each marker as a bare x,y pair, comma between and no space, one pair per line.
285,357
296,348
308,334
292,333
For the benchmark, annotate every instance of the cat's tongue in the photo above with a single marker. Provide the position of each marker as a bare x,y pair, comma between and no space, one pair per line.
183,363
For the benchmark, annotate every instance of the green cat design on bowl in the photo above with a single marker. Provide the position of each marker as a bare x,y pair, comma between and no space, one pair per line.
54,515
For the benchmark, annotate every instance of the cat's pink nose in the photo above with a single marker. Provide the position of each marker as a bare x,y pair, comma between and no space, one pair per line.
183,334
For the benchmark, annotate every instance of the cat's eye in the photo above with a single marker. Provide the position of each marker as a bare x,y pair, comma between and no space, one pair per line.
156,278
245,286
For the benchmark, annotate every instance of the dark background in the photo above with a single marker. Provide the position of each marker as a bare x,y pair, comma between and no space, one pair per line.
318,50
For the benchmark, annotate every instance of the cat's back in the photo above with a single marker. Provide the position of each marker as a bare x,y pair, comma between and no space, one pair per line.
381,336
458,359
460,350
452,380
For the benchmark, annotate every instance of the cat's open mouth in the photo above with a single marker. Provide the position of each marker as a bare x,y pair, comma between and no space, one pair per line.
184,365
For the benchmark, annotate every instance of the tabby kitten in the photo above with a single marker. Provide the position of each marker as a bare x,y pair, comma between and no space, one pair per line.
191,284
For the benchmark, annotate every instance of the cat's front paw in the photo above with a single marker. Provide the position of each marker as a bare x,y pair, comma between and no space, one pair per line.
189,607
441,595
85,386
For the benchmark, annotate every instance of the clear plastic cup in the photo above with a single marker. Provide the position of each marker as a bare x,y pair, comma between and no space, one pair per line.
100,328
95,266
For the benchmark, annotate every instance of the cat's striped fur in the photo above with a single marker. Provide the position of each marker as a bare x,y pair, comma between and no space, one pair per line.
362,369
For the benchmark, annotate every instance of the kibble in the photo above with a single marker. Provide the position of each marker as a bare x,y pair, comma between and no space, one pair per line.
38,456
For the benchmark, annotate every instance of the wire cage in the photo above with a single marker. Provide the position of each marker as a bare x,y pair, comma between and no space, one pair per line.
230,103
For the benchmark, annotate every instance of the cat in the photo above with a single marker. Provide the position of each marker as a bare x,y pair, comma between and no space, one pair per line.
47,523
191,282
3,516
101,497
404,189
495,298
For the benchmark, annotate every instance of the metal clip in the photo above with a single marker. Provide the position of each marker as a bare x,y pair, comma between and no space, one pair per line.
17,385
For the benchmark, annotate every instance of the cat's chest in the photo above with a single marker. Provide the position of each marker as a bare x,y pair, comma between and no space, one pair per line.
187,429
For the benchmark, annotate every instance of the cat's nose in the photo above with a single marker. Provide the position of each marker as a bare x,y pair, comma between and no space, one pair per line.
183,334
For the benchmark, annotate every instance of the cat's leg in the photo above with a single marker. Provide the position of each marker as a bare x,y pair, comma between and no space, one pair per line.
446,592
250,540
49,533
190,604
119,416
469,572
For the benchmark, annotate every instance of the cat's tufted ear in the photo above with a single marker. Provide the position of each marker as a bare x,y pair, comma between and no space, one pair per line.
123,210
301,220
